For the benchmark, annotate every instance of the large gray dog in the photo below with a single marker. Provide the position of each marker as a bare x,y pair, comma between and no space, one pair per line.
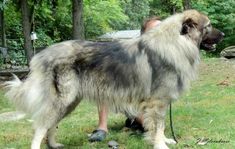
141,75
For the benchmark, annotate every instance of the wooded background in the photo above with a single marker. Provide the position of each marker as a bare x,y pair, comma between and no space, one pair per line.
59,20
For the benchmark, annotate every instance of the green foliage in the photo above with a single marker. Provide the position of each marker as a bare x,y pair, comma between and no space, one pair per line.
62,26
17,58
101,16
137,11
43,39
164,8
3,4
53,23
12,22
14,34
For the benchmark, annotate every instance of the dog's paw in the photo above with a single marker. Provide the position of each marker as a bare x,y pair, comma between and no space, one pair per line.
160,145
55,146
169,141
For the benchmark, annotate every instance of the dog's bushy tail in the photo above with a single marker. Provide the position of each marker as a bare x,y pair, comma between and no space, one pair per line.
30,95
14,93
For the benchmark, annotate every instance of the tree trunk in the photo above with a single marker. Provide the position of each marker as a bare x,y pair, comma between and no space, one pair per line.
3,31
54,4
173,9
78,26
187,4
26,23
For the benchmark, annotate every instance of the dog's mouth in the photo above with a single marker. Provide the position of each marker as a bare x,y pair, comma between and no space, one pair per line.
212,39
210,44
208,47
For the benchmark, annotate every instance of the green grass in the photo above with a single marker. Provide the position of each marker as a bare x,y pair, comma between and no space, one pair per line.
206,111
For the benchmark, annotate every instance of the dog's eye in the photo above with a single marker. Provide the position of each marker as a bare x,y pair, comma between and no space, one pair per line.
207,31
207,26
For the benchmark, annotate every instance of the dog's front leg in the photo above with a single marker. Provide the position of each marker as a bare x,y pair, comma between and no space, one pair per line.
159,138
154,122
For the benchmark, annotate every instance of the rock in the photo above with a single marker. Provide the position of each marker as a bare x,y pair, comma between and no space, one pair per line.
113,144
228,52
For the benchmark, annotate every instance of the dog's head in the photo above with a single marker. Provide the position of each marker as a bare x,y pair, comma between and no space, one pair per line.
197,26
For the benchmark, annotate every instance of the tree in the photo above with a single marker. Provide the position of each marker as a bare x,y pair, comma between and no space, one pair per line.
2,24
187,4
3,31
78,26
26,23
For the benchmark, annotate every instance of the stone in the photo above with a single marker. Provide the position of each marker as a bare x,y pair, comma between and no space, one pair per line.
228,52
113,144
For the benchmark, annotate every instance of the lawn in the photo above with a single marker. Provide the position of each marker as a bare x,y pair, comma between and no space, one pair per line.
207,111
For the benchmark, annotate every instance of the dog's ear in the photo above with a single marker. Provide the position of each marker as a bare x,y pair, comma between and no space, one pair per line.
187,25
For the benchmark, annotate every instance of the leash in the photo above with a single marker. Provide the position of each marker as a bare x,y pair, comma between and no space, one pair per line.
171,124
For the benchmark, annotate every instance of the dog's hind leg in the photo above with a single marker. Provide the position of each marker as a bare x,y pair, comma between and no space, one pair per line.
45,124
51,139
65,110
46,127
154,122
39,134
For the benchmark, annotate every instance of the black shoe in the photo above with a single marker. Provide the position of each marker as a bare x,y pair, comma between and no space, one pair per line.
97,135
